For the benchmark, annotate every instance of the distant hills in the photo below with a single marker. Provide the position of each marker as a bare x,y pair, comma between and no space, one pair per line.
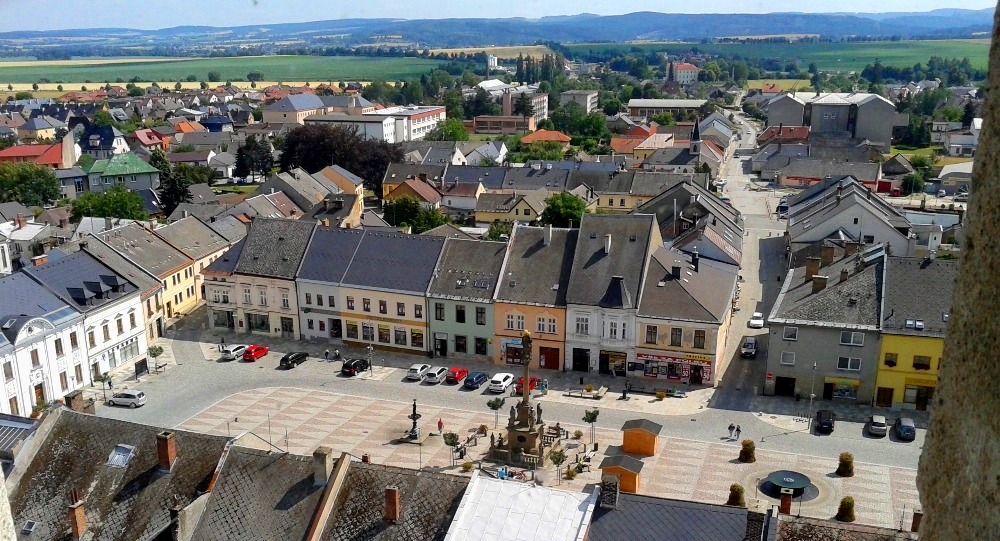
431,33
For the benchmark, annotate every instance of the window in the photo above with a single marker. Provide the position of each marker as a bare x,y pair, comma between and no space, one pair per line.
8,371
921,362
91,340
788,357
350,303
34,358
651,334
352,330
73,343
121,326
401,309
262,295
510,321
481,346
309,324
383,334
790,333
699,339
540,325
131,320
439,311
890,359
675,336
63,380
621,202
460,314
59,347
13,406
461,345
418,311
383,307
107,333
225,297
400,336
416,339
246,295
309,298
519,322
613,329
848,363
330,302
582,325
78,371
284,298
319,300
848,338
480,315
551,325
322,325
366,305
367,332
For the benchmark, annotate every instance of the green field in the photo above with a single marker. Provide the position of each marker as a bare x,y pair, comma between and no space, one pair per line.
275,68
827,56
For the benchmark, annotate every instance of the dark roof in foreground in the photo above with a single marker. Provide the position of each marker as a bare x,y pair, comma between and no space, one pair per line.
468,269
128,503
536,273
643,424
274,247
594,279
646,518
428,503
394,261
260,495
918,295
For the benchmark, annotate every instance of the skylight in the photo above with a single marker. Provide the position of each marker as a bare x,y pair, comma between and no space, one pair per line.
121,455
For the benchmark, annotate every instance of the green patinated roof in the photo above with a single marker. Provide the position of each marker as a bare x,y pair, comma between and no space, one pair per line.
122,164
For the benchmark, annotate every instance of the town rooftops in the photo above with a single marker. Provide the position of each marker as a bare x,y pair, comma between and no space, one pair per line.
918,295
274,247
468,270
193,237
146,249
610,260
394,262
10,210
647,518
537,269
329,254
674,290
490,177
82,281
296,102
641,103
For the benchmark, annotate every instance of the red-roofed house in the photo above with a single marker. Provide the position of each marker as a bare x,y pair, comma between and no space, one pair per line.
419,190
625,145
60,155
682,72
541,136
149,140
783,134
643,131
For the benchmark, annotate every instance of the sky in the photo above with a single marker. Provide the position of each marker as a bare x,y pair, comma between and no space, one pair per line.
64,14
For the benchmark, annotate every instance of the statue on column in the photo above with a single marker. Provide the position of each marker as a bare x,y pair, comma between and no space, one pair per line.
538,411
513,414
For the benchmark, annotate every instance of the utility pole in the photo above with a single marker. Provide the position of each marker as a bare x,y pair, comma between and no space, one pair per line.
812,383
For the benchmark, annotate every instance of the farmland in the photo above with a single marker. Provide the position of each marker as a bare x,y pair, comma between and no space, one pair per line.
275,68
536,51
845,56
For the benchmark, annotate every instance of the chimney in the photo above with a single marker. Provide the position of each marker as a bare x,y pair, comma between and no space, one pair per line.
610,489
77,515
392,513
74,400
850,247
39,260
812,267
507,104
322,465
819,283
326,204
109,223
547,235
166,449
694,259
325,222
826,255
20,221
607,244
63,222
675,272
844,275
422,177
184,214
366,459
918,516
83,245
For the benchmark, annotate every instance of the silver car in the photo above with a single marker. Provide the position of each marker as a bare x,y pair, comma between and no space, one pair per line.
233,351
417,371
132,399
877,425
436,374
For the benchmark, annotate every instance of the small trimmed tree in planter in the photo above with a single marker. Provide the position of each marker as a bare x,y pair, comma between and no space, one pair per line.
570,473
467,467
577,434
558,457
589,387
845,513
451,440
495,405
736,495
483,429
154,352
590,416
660,395
748,452
846,466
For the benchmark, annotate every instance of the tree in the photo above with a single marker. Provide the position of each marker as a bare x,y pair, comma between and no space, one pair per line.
403,210
563,209
590,417
523,105
736,496
185,147
59,88
174,190
214,76
558,457
118,202
34,86
195,174
158,159
23,95
429,219
136,91
913,183
178,85
498,229
29,184
254,76
8,141
451,129
313,147
203,85
663,119
968,114
613,106
495,405
103,118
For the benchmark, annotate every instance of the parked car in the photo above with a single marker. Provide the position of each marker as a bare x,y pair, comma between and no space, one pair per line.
456,374
233,352
532,384
942,193
290,360
476,380
905,429
783,215
353,367
436,374
756,321
501,381
132,399
252,352
825,419
749,348
962,198
417,371
877,425
726,199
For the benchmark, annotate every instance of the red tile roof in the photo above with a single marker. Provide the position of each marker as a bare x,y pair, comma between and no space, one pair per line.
546,135
24,151
625,145
422,189
787,133
685,66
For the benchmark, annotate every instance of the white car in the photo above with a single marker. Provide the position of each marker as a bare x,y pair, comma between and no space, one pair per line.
417,371
500,382
757,321
436,374
233,352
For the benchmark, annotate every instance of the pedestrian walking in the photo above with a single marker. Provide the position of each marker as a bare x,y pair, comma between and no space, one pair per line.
732,427
336,354
738,430
326,355
440,426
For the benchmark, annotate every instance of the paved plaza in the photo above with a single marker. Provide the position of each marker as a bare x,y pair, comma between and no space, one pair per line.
298,420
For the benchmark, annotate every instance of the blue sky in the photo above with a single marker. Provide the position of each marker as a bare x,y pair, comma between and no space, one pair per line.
61,14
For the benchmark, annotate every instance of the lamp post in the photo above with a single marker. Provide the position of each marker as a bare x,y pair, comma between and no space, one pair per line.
812,384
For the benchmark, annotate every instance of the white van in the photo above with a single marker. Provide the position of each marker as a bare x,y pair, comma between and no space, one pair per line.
233,352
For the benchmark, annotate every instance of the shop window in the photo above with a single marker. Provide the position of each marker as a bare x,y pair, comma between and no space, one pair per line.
367,332
383,334
352,330
416,339
400,336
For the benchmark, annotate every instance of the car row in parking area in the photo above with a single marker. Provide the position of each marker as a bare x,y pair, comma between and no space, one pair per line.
876,425
454,375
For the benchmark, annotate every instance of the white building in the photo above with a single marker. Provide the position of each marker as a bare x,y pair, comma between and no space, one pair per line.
378,128
412,122
23,239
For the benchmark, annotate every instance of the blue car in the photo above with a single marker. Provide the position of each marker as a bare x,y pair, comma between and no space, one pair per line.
475,379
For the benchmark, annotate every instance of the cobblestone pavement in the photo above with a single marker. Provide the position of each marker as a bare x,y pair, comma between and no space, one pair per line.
299,420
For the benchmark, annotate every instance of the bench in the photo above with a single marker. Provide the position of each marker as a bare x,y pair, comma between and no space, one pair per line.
595,394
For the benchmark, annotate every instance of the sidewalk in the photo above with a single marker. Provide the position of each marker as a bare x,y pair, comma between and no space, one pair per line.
789,413
123,377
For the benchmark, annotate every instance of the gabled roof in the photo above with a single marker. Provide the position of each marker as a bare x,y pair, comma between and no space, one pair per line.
204,211
122,164
610,280
98,137
146,283
468,270
82,281
19,294
625,462
146,249
193,237
705,295
274,247
344,173
187,157
448,231
10,210
329,254
918,295
529,178
546,135
398,172
643,424
646,518
230,227
226,263
535,272
422,190
490,177
296,102
394,262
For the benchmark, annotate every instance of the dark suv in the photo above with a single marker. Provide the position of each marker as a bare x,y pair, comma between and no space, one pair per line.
825,420
290,360
353,367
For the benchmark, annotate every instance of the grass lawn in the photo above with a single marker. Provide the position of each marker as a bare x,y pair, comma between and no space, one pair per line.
236,188
536,51
929,151
315,69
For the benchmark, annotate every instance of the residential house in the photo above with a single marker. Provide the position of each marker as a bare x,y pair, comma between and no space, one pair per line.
683,73
125,170
303,189
376,128
683,318
783,134
269,205
544,136
490,177
24,240
808,171
199,242
115,338
823,335
650,518
205,212
348,182
522,208
960,143
293,108
917,305
645,108
460,298
149,140
342,210
352,105
103,142
649,145
956,177
588,99
692,158
61,155
863,115
940,128
450,231
196,158
412,122
896,167
41,340
460,196
479,154
217,123
604,290
397,173
416,189
36,130
694,219
203,140
72,182
224,164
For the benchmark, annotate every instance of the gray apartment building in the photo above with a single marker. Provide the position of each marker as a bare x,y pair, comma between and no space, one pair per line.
863,115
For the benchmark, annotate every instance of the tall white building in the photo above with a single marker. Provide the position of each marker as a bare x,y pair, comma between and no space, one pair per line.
413,122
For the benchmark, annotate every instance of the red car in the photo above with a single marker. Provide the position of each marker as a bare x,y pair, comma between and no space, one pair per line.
456,374
532,383
254,352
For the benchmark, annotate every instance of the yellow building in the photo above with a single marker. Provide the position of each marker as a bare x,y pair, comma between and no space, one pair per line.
510,207
917,304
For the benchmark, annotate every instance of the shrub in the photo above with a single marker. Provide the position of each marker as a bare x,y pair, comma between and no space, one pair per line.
450,439
846,466
570,473
467,467
660,395
747,452
589,387
577,434
845,513
736,496
483,429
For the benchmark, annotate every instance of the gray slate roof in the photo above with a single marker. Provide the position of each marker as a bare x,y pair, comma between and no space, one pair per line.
230,227
491,177
329,254
819,168
109,256
74,276
274,247
226,263
193,237
643,424
851,304
146,249
626,462
918,290
394,262
646,518
260,495
592,281
20,295
204,211
10,210
448,231
468,269
529,178
698,296
296,102
535,273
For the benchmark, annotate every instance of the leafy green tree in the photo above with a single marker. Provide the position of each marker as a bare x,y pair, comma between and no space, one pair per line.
118,202
214,76
29,184
203,85
34,86
136,91
663,119
558,457
59,88
314,147
968,114
403,210
429,219
23,95
8,141
496,404
590,417
185,147
563,209
158,159
195,174
103,118
523,106
174,190
453,103
255,76
451,129
498,229
613,106
489,161
178,85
